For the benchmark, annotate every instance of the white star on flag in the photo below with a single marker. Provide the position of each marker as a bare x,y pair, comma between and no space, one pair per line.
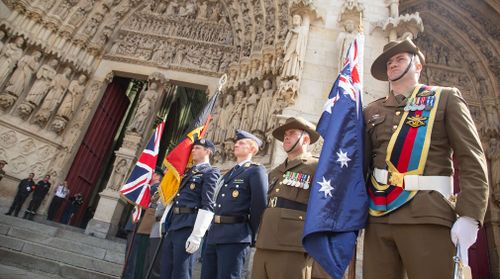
330,103
343,159
326,187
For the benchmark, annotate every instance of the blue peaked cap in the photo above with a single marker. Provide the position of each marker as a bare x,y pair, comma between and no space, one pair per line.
205,143
240,134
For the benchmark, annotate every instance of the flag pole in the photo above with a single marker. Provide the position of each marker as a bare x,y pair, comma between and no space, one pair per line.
222,82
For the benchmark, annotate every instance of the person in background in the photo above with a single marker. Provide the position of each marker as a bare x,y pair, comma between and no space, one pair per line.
154,235
62,191
24,189
2,172
41,190
74,203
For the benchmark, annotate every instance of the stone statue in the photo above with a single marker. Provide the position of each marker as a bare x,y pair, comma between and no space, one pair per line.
493,153
44,4
63,7
202,11
11,53
224,119
72,98
179,56
20,79
91,27
295,48
189,10
40,88
160,8
119,171
344,40
263,109
215,11
84,6
235,115
492,116
249,110
2,35
51,101
146,105
172,8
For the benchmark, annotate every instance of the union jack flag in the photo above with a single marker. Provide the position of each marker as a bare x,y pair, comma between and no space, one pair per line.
137,189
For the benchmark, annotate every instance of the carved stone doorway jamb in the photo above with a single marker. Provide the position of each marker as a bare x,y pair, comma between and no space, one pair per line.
107,216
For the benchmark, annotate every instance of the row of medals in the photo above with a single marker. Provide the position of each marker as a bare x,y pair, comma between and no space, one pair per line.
296,179
420,103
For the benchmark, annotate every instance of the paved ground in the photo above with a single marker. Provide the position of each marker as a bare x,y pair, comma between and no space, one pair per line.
10,272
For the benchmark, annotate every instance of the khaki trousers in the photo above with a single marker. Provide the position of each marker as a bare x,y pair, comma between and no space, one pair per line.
424,251
273,264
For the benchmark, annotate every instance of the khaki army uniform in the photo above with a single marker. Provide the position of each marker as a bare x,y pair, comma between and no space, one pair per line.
280,253
424,249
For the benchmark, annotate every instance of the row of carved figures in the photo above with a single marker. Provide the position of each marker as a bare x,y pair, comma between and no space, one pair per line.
50,90
204,10
76,31
171,52
251,108
194,30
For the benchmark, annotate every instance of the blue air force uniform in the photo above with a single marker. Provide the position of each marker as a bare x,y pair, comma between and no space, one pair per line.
195,192
241,200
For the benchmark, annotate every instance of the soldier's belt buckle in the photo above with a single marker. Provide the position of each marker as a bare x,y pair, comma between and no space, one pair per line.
273,201
217,219
176,210
396,179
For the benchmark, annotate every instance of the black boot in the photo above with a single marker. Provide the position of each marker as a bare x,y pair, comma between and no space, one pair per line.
8,213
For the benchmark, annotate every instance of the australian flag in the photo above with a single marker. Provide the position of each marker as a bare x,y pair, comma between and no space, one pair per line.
137,189
338,202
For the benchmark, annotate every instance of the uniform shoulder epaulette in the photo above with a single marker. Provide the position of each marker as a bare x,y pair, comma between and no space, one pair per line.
256,164
376,101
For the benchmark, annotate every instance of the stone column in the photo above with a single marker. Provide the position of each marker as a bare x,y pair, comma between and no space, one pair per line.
104,224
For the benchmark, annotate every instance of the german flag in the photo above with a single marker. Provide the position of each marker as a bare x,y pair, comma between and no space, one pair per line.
180,157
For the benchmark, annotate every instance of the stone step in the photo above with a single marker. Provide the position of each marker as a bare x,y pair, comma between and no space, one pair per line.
47,253
67,245
47,266
13,272
60,231
58,249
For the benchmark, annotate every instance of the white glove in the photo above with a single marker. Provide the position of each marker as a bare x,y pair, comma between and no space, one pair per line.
464,234
203,221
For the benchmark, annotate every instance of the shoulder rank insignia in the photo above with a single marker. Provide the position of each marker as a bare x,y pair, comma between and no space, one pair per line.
416,121
426,93
246,165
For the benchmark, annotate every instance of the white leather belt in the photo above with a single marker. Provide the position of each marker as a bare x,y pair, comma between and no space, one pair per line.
441,184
